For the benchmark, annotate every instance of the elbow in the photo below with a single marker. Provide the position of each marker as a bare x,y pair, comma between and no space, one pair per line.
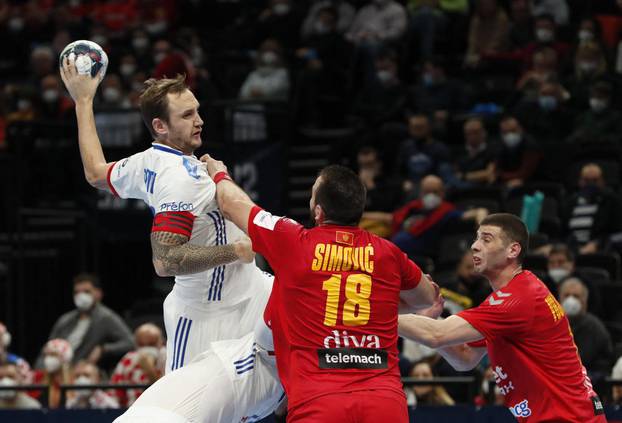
92,179
463,366
161,270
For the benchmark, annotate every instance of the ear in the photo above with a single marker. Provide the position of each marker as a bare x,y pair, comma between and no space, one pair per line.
515,250
159,126
318,214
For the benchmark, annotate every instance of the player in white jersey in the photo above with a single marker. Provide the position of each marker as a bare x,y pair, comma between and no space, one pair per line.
234,381
215,295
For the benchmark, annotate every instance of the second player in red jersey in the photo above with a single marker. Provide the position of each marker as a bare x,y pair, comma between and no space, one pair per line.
522,327
335,300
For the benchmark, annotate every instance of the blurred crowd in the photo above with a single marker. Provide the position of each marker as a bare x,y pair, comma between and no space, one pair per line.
460,108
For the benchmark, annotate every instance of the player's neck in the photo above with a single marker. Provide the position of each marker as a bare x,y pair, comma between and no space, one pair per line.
500,279
184,149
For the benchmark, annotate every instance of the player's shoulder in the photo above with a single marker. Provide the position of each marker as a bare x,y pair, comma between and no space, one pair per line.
266,220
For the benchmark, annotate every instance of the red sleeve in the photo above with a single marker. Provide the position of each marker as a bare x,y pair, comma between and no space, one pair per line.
110,186
272,236
411,273
500,315
176,222
477,344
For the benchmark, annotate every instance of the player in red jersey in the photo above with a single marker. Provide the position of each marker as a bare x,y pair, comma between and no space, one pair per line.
334,303
521,326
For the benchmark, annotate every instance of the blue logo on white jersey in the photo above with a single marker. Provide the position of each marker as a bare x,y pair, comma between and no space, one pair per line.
193,170
521,409
150,177
177,206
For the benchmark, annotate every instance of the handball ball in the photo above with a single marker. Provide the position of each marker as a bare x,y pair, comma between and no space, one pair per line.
89,58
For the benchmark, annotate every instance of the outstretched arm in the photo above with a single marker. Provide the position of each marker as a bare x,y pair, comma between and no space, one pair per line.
233,202
173,255
82,89
437,333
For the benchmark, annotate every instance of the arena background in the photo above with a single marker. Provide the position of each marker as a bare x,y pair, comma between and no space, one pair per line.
53,225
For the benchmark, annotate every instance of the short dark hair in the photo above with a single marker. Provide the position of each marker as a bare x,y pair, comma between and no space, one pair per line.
87,277
560,248
341,194
512,227
153,100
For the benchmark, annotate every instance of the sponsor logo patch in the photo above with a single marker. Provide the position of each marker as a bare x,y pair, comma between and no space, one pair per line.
352,358
176,206
265,220
521,409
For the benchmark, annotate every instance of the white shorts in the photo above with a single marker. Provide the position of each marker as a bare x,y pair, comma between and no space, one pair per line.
190,328
231,383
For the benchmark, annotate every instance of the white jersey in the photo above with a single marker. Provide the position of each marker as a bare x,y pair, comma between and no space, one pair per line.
167,180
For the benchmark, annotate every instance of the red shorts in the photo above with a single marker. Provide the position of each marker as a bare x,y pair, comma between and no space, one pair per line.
369,406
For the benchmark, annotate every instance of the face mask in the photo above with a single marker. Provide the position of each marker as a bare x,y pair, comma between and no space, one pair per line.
50,96
511,139
51,363
472,151
587,67
544,35
150,351
547,102
431,201
585,35
590,190
83,380
598,105
384,76
428,79
572,306
16,24
6,339
127,69
83,301
558,274
269,58
320,27
156,28
111,95
23,104
10,394
158,57
280,9
140,43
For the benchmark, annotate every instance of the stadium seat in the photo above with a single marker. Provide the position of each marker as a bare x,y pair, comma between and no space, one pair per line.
608,261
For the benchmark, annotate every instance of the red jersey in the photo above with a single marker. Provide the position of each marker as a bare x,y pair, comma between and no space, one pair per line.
334,306
533,355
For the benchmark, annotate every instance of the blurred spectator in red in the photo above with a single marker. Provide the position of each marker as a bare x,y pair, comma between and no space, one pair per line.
145,364
57,355
85,373
53,103
7,357
11,376
171,62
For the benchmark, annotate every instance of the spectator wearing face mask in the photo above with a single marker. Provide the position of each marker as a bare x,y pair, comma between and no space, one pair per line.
281,20
270,79
7,357
313,21
484,397
112,93
145,364
52,103
436,92
56,358
95,332
590,67
592,213
518,156
85,373
418,226
602,122
383,95
10,375
561,266
590,334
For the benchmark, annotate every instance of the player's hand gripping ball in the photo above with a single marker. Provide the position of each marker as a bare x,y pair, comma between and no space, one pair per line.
89,58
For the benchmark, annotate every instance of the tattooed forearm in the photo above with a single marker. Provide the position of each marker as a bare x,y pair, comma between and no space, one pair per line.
172,255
